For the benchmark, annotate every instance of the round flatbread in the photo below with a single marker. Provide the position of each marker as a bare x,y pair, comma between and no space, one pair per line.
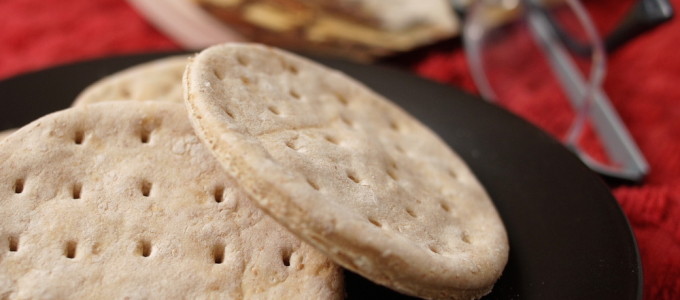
158,80
347,171
121,200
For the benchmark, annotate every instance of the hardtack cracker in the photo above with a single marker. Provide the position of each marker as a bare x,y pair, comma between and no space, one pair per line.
347,171
158,80
121,200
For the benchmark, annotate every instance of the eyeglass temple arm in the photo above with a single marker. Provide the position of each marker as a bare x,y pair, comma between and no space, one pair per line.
643,16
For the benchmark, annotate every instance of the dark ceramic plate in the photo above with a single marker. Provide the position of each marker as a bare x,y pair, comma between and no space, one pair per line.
568,237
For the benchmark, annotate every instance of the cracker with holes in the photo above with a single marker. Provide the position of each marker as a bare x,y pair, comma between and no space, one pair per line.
121,200
158,80
347,171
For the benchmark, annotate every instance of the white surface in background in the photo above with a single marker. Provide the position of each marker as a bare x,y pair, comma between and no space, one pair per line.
186,23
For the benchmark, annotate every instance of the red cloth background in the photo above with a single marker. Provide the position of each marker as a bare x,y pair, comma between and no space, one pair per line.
643,83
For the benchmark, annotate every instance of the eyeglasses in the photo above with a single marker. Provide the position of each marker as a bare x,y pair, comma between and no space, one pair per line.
562,59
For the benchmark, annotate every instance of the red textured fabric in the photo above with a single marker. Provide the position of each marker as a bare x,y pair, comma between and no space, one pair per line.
37,34
642,83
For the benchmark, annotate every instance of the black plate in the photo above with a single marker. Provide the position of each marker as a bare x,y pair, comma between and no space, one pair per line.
568,237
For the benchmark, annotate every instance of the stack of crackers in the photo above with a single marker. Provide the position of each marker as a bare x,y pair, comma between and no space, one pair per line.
242,172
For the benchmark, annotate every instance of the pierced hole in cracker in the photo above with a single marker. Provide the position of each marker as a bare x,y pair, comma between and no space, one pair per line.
411,212
445,206
229,113
19,186
288,67
343,100
285,257
70,249
144,248
293,69
347,121
144,135
294,94
465,237
245,80
218,194
292,145
146,188
76,190
218,74
242,60
394,125
353,177
332,139
13,243
78,137
274,110
218,253
393,174
125,92
452,173
96,248
375,222
313,184
434,249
